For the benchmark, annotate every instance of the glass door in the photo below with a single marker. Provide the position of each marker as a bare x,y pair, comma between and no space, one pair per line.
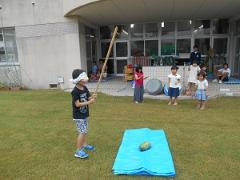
220,48
91,48
237,59
120,56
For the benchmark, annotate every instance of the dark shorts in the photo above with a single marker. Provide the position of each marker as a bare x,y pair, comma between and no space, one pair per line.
225,79
173,92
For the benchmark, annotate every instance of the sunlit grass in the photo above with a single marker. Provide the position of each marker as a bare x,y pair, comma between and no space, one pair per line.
37,136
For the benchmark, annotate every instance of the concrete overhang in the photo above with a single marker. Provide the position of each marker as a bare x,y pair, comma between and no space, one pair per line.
104,12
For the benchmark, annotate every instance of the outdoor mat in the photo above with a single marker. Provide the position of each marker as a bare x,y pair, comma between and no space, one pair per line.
157,161
232,81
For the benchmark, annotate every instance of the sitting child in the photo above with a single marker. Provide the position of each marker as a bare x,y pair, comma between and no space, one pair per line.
94,71
223,74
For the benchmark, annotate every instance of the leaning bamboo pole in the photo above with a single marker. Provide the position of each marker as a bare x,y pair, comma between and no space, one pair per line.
106,59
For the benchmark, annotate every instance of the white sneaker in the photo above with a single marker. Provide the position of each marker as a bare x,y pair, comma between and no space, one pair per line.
215,81
220,81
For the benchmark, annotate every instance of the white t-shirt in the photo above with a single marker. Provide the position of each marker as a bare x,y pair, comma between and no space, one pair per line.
202,85
174,80
225,71
193,74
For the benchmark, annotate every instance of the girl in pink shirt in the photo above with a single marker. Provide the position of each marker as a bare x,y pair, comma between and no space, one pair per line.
138,90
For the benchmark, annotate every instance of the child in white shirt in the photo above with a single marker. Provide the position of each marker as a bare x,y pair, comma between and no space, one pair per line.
174,85
202,88
192,79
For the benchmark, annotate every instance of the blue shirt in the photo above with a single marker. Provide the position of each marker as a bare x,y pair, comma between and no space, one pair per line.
195,56
94,69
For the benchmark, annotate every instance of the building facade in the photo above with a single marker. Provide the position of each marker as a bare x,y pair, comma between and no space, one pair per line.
42,41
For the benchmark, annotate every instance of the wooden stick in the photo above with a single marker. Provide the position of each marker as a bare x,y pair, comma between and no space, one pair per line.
106,59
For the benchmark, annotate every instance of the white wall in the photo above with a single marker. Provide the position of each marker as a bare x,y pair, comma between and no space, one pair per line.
22,12
82,41
48,43
45,54
162,72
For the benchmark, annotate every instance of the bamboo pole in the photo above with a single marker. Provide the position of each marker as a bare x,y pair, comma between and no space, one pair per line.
106,59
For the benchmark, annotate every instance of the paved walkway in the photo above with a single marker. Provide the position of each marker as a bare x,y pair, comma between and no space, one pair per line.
117,87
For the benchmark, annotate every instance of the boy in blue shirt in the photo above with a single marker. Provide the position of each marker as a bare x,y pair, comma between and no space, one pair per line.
81,98
195,55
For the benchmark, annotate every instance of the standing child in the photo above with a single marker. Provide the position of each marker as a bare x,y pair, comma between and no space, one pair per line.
201,93
80,100
192,79
174,85
138,90
204,69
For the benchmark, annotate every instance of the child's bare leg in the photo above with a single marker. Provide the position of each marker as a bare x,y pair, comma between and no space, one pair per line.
189,89
85,140
219,75
223,76
199,104
175,101
194,89
203,105
170,101
81,140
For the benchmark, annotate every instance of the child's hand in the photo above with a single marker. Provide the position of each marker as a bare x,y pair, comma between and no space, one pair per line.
207,93
94,95
91,101
177,82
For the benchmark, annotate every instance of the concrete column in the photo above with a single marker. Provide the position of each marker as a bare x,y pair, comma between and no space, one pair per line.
82,44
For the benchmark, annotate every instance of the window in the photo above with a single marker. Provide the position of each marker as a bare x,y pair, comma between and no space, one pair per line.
220,26
203,44
120,65
88,49
183,46
122,49
151,30
168,29
151,47
220,46
184,28
238,27
201,27
237,58
168,47
136,30
106,32
8,47
123,31
137,48
2,54
104,47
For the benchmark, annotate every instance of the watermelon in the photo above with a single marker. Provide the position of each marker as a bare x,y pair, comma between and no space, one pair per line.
145,146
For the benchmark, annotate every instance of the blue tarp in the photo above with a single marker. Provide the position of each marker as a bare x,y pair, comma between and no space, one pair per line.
156,161
232,81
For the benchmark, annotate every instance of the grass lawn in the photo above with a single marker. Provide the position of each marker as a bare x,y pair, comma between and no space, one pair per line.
37,136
